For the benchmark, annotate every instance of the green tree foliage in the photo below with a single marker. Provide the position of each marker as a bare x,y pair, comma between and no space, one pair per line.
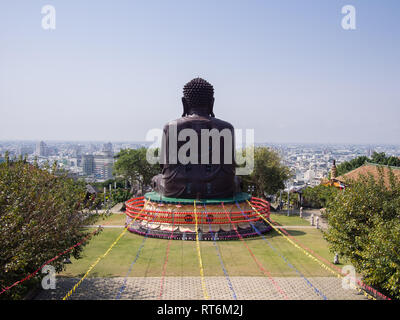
269,174
117,196
381,158
120,195
364,228
40,217
133,165
294,198
348,166
319,196
377,158
120,183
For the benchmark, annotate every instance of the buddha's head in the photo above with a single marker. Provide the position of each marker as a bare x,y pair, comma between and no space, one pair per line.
198,97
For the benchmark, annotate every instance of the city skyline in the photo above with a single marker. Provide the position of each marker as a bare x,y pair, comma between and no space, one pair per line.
55,141
94,161
286,69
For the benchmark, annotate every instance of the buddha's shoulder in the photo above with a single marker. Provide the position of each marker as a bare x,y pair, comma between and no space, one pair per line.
222,123
185,121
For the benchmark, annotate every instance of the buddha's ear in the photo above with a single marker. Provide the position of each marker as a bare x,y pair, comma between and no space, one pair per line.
212,108
185,107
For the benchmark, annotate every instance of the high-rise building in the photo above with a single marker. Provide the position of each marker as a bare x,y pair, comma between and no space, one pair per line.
88,164
77,154
370,152
107,147
100,165
42,149
76,151
103,165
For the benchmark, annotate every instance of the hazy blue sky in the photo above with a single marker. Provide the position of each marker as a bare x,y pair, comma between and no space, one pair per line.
112,70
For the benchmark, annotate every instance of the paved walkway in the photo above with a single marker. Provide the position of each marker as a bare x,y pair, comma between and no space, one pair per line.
189,288
307,216
317,213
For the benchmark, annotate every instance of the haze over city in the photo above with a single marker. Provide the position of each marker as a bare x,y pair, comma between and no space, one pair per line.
112,71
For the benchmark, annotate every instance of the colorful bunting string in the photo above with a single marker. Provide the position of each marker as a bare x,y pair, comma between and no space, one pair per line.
265,271
100,258
203,284
317,291
49,261
308,254
220,259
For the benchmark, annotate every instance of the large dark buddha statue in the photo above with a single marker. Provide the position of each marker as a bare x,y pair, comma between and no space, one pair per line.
198,162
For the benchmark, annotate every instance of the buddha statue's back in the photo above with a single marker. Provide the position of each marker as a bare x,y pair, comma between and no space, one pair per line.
197,154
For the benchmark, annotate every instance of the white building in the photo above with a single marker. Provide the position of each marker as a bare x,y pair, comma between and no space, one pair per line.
103,165
309,175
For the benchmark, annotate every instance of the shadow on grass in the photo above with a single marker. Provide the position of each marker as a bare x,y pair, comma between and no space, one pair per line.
273,233
296,233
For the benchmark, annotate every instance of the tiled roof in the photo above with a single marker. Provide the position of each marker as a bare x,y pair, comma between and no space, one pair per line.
372,169
91,189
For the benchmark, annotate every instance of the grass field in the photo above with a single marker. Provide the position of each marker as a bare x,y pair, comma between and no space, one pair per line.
114,219
284,220
183,259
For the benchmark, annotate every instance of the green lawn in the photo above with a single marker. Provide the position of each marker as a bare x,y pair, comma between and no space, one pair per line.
284,220
183,259
113,219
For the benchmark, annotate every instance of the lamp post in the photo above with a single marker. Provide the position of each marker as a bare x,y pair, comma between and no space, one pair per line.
110,198
251,189
105,191
288,198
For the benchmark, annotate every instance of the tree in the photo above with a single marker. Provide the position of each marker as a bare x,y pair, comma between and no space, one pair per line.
364,227
133,165
377,158
118,182
40,217
294,200
319,196
348,166
381,158
269,174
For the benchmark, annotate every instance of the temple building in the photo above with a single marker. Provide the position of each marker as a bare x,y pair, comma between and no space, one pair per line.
333,181
370,169
364,170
